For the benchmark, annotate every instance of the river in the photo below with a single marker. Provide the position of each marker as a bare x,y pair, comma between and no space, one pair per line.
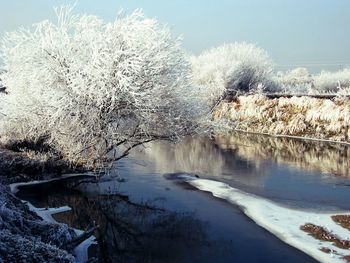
157,204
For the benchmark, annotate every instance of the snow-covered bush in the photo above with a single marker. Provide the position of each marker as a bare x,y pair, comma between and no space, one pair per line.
89,87
332,81
231,68
295,77
1,84
299,80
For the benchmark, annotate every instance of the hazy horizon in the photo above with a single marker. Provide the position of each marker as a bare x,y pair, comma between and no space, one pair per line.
298,33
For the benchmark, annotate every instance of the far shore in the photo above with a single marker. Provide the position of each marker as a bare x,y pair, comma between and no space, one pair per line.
308,118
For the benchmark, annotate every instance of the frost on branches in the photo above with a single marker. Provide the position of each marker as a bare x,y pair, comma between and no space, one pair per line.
92,89
230,69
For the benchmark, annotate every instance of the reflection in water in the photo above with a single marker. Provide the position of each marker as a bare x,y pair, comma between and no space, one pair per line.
306,155
139,232
198,155
131,232
243,157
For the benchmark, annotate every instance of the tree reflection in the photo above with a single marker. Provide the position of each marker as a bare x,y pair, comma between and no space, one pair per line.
244,158
133,232
198,155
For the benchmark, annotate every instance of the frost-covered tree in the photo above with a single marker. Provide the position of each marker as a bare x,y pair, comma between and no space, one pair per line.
93,90
230,69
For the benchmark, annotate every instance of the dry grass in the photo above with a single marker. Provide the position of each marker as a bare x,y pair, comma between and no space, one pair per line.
296,116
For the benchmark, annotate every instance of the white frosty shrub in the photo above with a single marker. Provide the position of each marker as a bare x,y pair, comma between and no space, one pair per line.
299,80
231,68
88,87
332,81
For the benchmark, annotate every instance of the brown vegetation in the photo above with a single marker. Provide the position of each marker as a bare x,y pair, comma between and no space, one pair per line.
327,250
19,164
347,258
342,220
326,119
320,233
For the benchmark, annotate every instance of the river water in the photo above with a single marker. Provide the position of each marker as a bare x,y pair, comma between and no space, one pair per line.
148,213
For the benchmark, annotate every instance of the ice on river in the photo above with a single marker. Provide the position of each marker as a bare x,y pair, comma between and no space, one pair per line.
280,220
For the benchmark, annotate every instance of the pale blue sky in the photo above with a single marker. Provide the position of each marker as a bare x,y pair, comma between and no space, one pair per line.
294,32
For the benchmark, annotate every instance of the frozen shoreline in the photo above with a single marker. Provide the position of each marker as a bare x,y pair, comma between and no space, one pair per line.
281,221
81,251
14,187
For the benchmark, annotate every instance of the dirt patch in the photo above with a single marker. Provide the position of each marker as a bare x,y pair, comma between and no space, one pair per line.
322,234
342,220
328,250
347,258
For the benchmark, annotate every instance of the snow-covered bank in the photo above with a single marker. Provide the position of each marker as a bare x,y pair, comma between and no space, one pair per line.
81,251
323,119
25,237
20,164
283,222
15,186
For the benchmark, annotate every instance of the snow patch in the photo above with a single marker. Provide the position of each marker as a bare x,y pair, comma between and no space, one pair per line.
81,251
46,213
281,221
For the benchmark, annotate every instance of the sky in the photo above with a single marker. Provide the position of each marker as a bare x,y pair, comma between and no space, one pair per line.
296,33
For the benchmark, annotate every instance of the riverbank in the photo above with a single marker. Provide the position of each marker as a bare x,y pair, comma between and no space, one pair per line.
24,165
307,117
24,235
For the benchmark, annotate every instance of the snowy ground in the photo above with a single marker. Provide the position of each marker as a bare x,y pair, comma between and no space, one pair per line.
24,237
